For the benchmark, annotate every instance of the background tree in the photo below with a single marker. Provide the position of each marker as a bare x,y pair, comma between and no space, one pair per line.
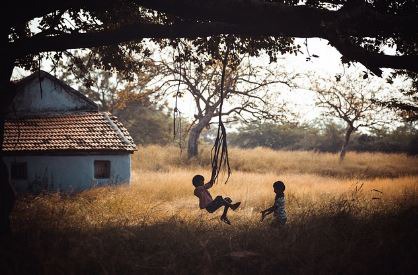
401,139
326,136
107,88
99,85
146,121
351,99
285,136
247,91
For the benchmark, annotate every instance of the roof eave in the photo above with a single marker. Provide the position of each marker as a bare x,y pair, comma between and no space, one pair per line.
68,152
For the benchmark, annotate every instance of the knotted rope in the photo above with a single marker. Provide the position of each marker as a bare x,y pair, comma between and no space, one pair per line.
219,152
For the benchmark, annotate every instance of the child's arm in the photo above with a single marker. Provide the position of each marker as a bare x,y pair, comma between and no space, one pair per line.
270,209
209,184
267,212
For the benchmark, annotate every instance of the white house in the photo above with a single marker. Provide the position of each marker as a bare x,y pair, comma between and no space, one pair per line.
56,139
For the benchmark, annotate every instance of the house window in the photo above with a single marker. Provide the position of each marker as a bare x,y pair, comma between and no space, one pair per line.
19,171
101,169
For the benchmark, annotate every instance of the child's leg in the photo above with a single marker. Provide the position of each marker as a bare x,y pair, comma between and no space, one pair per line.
225,211
233,206
218,202
224,217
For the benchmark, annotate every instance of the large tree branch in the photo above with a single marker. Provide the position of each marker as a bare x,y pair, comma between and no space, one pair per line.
373,61
354,20
350,20
38,44
138,31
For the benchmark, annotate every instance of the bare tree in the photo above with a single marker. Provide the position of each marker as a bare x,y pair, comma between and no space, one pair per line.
248,91
107,88
351,98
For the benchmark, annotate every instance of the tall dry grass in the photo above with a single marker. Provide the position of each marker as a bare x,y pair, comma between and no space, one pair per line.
350,224
264,160
161,196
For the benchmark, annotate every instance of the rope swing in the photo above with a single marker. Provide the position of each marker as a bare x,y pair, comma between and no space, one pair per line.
219,152
177,113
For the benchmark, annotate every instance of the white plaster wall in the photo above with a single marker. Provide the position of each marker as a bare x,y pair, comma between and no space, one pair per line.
70,173
53,98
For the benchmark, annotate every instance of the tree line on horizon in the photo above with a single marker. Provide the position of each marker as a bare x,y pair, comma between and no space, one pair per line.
149,124
326,137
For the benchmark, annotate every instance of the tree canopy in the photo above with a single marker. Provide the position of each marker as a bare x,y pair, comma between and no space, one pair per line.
358,29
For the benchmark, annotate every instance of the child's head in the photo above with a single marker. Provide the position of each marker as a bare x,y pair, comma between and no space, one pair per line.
198,180
279,187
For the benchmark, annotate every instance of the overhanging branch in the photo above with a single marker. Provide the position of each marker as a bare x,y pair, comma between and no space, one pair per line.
38,44
373,61
350,20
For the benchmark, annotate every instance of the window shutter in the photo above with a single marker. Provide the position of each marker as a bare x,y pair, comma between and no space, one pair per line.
101,169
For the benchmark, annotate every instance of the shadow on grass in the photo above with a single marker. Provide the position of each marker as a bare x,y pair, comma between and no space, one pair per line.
338,244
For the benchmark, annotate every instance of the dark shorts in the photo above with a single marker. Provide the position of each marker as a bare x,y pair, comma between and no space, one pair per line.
217,203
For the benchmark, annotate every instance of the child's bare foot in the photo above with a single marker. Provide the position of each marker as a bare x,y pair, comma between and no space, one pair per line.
235,206
225,220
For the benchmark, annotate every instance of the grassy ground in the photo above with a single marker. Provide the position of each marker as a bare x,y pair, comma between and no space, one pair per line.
263,160
363,219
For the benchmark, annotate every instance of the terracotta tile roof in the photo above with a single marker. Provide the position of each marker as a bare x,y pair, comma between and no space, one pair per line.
93,131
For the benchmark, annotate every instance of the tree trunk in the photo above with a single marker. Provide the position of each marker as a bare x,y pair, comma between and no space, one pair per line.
194,134
343,151
192,144
7,194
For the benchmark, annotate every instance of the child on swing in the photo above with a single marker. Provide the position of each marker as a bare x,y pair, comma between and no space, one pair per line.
278,207
206,201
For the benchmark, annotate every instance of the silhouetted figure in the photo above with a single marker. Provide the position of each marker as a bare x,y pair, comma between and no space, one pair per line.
206,201
7,199
278,207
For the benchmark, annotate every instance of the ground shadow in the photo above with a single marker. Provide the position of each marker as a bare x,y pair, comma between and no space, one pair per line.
337,244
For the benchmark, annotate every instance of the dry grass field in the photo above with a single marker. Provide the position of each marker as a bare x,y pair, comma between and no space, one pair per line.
263,160
355,217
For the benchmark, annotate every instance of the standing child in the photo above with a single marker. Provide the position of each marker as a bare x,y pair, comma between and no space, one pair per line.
206,201
278,207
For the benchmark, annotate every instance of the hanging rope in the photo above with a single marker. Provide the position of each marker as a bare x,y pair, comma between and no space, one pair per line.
219,153
177,131
177,113
180,134
39,75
